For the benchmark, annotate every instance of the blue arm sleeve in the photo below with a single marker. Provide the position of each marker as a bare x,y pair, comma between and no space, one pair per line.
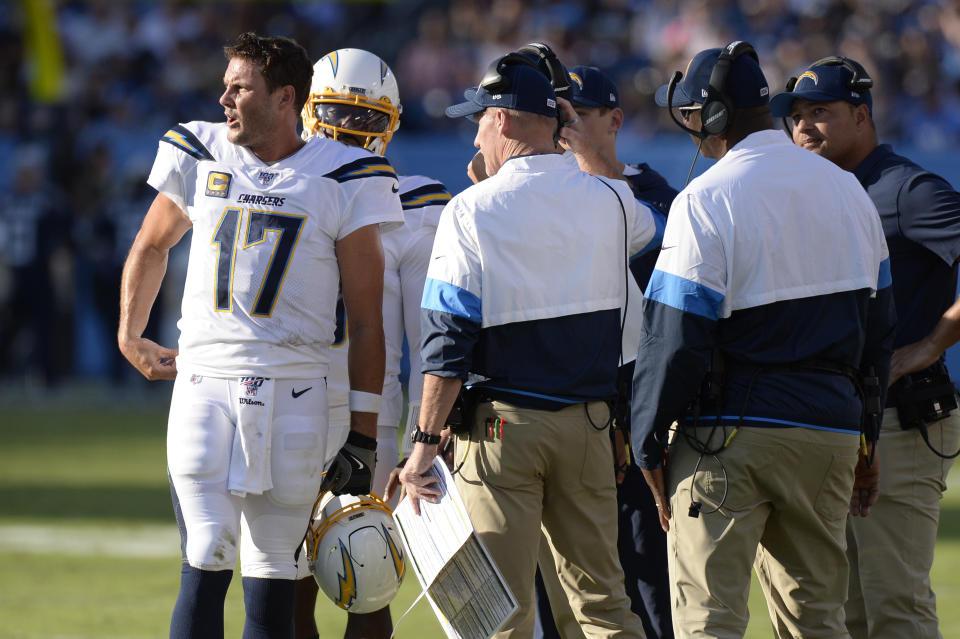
660,223
674,355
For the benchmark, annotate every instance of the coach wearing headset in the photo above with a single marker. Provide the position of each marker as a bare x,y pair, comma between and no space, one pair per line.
523,302
830,112
770,294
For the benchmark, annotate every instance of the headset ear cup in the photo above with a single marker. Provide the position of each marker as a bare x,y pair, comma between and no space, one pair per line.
714,116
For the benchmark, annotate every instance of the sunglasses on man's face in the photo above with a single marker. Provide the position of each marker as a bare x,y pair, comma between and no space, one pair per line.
687,111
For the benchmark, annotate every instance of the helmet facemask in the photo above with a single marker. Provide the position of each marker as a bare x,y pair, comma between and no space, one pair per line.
352,119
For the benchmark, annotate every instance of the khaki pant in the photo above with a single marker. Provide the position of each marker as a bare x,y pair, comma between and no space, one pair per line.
891,550
550,468
785,492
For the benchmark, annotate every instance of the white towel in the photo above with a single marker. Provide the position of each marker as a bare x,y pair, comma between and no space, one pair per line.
250,458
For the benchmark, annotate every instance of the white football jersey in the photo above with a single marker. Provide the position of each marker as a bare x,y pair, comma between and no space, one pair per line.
262,278
406,253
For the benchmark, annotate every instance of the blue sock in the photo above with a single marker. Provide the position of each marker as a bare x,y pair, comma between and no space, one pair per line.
199,608
269,604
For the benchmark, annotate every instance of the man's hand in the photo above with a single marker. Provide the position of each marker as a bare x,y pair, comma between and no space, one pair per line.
658,487
619,455
866,484
477,170
351,471
152,360
393,481
912,358
416,485
574,138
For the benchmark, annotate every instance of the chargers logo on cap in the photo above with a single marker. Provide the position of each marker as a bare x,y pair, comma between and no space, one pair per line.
576,78
808,74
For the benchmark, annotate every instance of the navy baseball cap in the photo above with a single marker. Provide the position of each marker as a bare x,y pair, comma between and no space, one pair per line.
590,87
823,83
527,90
746,85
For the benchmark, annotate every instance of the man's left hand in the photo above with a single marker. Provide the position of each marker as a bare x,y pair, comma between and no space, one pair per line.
912,358
351,471
866,485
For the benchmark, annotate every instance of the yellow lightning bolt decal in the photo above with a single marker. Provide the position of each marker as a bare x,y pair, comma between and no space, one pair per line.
177,138
398,563
430,197
348,580
373,168
808,74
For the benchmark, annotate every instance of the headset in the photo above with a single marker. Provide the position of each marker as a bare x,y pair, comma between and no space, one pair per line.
860,81
548,64
716,109
494,80
715,112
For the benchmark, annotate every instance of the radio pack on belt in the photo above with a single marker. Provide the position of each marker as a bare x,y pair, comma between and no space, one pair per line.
923,397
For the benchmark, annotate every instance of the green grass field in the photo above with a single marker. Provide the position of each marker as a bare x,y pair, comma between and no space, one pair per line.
88,547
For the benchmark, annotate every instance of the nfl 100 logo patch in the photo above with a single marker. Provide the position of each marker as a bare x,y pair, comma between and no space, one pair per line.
266,177
252,385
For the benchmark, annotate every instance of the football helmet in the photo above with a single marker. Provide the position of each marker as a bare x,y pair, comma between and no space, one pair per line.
354,551
354,93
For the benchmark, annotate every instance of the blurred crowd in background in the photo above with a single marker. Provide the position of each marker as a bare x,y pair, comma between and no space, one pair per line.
90,86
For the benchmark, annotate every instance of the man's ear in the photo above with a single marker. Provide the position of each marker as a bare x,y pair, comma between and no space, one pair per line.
287,96
502,121
861,115
616,119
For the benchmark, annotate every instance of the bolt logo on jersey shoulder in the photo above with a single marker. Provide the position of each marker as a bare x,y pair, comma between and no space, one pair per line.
218,184
180,137
427,195
362,168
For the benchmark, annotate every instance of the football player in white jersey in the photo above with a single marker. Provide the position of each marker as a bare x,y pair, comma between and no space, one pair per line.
275,220
354,99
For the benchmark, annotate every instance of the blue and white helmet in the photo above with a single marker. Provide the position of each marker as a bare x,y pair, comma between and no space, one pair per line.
354,99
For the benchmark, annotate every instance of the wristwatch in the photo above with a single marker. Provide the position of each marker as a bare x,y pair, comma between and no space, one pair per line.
419,436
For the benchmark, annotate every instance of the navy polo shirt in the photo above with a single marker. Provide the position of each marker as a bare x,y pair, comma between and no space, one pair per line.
920,213
650,187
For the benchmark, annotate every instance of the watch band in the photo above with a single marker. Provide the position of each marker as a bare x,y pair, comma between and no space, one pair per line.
419,436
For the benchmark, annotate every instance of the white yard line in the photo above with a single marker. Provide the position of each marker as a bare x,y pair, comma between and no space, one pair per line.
141,541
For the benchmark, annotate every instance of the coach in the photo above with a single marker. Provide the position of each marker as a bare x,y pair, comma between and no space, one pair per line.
831,112
523,302
773,276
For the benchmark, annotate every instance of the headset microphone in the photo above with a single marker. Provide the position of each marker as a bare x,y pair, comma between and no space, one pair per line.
697,134
674,81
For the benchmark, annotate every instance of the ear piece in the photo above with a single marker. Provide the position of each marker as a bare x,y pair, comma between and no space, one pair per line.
715,114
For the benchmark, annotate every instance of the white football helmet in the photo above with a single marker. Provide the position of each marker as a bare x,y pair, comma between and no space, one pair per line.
354,93
354,551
